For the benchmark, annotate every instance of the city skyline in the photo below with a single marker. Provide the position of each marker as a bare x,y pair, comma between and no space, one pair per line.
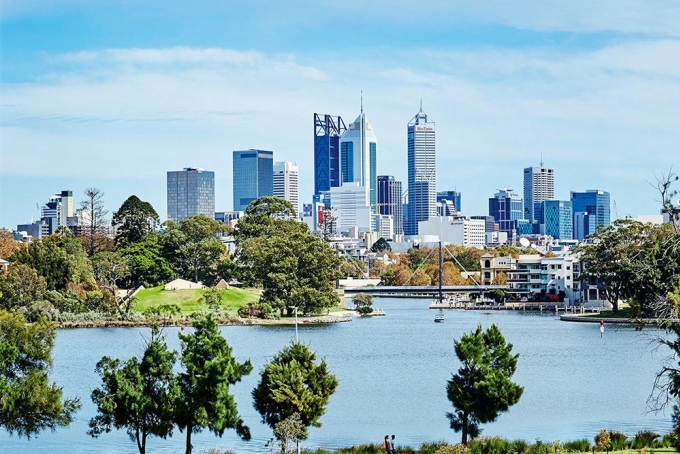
592,90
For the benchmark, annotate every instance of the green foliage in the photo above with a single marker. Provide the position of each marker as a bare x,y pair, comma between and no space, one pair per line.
194,249
39,310
363,302
618,441
603,440
582,445
209,369
162,311
644,439
147,265
256,310
381,246
288,432
483,387
29,404
212,298
135,220
294,383
21,287
137,395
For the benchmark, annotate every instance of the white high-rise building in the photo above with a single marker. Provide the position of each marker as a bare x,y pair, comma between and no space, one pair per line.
286,182
349,205
422,174
358,158
539,185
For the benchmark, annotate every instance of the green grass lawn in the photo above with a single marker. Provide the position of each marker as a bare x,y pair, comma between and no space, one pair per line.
187,300
624,312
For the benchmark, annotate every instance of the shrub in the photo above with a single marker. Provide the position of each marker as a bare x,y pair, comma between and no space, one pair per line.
364,310
451,449
39,309
520,447
582,445
602,440
644,439
256,310
618,441
495,445
432,447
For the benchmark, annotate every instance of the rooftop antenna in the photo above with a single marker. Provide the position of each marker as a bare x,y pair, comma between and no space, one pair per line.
421,105
362,101
541,159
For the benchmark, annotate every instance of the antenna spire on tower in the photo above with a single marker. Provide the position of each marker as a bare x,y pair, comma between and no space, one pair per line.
421,105
362,101
541,159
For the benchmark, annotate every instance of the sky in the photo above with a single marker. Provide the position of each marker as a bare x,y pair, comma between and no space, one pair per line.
114,93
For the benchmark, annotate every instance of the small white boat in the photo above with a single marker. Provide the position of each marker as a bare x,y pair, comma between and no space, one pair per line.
439,318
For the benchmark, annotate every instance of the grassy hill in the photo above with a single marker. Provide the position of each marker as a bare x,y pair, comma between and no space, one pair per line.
187,300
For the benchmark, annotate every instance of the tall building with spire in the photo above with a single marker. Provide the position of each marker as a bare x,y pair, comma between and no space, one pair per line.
358,157
422,172
539,185
327,132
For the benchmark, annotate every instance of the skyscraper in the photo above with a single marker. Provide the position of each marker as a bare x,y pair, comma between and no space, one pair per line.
557,218
253,176
506,209
389,201
358,158
590,210
285,182
327,132
450,196
539,185
422,174
190,192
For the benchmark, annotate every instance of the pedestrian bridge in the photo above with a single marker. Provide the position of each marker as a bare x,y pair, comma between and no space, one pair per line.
428,289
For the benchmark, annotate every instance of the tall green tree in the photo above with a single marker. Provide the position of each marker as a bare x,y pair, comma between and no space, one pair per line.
294,383
134,221
147,263
482,388
210,368
137,394
21,287
29,404
194,248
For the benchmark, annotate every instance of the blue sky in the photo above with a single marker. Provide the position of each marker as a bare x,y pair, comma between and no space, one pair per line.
112,94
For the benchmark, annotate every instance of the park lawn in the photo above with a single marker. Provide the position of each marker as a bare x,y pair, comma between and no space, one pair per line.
188,300
623,312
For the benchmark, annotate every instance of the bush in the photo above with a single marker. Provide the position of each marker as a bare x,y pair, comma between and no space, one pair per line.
451,449
618,441
495,445
582,445
256,310
519,447
364,310
39,309
644,439
602,440
432,447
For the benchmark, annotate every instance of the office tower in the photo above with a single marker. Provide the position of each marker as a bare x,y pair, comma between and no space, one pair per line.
327,132
285,182
190,192
358,158
506,209
489,223
557,219
349,207
450,196
590,210
539,185
253,176
390,201
422,175
57,212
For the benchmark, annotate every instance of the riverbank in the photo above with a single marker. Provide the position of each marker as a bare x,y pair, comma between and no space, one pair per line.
333,317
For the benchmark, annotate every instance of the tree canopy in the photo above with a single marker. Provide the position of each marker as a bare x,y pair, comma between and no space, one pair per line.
482,388
293,383
134,221
29,404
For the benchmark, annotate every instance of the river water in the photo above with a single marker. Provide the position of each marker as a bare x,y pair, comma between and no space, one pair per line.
393,372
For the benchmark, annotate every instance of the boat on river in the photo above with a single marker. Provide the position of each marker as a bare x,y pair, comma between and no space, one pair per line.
439,318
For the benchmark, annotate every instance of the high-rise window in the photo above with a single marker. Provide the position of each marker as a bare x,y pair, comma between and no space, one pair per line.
253,176
190,192
422,174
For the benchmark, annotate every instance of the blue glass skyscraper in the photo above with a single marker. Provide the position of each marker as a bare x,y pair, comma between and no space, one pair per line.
389,201
253,176
422,172
327,132
557,218
506,208
590,210
190,192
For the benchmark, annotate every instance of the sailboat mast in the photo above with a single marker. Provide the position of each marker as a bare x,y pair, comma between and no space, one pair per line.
441,269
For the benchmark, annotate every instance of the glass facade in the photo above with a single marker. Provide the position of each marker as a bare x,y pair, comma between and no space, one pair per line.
557,218
389,201
253,176
590,210
539,185
506,209
347,160
373,173
422,175
190,192
451,196
327,132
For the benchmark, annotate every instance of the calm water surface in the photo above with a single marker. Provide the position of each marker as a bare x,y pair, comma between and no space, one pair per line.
393,372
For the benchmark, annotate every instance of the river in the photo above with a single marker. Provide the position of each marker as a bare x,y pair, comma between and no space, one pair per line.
393,372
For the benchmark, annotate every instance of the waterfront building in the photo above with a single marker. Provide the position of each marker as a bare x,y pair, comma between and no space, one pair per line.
422,172
190,192
350,207
358,158
539,185
506,209
285,183
390,201
457,230
253,176
327,132
451,199
590,210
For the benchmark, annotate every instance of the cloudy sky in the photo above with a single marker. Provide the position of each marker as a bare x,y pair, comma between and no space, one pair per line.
114,93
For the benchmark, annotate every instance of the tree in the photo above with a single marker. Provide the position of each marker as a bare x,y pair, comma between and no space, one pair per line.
500,279
8,244
381,245
363,302
289,431
482,388
134,221
212,298
93,214
21,286
109,269
146,263
209,368
29,404
137,395
294,383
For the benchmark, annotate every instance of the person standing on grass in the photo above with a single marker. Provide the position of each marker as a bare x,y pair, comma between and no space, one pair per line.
392,446
388,446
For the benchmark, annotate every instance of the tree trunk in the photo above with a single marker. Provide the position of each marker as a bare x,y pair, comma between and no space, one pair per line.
189,430
464,436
